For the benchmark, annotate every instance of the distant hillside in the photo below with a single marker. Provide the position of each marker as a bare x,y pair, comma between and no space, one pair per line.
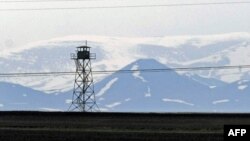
117,52
165,92
207,90
17,97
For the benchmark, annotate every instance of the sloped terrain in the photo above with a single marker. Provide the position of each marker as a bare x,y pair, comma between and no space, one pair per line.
200,90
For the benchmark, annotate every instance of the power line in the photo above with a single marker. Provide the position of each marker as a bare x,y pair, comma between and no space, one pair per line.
35,1
127,6
125,71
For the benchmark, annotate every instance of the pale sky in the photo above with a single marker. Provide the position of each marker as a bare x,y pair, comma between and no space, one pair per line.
18,28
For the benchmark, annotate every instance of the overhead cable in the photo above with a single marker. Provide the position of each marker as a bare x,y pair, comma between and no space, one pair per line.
124,6
149,70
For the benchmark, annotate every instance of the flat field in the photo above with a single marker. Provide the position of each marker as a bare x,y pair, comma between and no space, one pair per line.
69,126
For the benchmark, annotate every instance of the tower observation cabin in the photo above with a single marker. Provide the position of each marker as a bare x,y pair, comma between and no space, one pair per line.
83,52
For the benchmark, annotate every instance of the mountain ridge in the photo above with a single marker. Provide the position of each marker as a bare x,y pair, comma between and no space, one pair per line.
117,53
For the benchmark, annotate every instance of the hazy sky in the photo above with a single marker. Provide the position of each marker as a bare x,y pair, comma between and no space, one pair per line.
21,27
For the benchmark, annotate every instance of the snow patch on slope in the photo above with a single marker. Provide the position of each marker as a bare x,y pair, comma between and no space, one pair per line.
68,101
242,81
148,93
177,101
242,87
212,87
106,87
220,101
128,99
136,74
113,105
53,84
50,109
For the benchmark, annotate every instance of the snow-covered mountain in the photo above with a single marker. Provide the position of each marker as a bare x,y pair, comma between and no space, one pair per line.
132,53
169,92
139,91
162,91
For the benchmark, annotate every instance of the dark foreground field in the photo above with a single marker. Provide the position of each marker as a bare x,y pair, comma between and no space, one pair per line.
59,126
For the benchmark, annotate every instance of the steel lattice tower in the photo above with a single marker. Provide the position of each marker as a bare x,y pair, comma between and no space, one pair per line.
83,98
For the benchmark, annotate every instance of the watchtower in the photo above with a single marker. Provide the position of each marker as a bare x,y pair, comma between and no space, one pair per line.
83,98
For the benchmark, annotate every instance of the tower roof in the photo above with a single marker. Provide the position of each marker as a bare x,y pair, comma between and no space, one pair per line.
83,47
